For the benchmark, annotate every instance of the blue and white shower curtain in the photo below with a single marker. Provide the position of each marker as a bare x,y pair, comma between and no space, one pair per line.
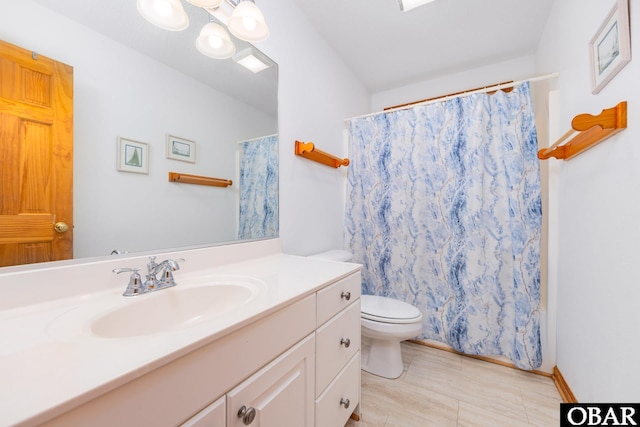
443,209
258,214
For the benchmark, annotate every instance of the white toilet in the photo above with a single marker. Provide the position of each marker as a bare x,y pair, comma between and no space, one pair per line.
385,323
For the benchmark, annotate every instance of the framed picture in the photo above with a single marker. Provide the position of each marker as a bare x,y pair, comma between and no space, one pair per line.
610,47
181,149
133,156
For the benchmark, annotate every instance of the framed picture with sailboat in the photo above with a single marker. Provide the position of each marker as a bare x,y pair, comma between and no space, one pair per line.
133,156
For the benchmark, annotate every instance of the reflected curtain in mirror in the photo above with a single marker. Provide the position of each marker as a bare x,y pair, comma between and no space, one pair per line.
258,214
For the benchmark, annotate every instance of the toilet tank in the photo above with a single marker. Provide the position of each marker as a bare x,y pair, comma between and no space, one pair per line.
334,255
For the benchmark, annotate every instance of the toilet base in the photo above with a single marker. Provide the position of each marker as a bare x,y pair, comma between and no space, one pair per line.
382,357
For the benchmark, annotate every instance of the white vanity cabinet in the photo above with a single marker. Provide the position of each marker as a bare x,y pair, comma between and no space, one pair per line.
299,366
338,352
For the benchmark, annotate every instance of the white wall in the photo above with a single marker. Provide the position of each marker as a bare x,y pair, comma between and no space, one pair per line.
317,92
116,94
597,209
515,69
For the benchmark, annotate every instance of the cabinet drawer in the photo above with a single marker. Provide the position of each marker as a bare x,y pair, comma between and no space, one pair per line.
332,349
332,409
334,298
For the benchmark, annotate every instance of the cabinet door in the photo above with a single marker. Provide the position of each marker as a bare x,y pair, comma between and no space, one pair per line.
279,395
211,416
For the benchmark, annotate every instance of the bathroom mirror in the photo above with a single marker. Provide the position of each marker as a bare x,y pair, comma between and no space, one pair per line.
140,83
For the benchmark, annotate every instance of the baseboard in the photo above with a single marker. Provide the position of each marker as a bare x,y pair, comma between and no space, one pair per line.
563,388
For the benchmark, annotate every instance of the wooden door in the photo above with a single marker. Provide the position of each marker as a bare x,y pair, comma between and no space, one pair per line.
36,157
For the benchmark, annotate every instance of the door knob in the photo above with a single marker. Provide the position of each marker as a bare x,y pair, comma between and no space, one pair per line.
61,227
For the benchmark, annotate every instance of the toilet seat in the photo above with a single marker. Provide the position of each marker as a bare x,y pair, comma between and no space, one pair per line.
388,310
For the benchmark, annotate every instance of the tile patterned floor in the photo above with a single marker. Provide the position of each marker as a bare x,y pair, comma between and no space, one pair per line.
443,389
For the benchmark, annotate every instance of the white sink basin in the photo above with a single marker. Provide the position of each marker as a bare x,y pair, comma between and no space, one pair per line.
172,308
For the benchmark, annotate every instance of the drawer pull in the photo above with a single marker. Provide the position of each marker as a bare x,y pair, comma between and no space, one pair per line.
247,415
346,295
345,342
345,403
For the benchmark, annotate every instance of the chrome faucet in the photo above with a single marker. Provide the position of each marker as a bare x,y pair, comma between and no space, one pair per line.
153,282
165,269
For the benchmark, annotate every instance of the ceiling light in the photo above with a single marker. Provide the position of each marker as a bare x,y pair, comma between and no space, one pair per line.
166,14
252,59
247,22
243,18
214,42
407,5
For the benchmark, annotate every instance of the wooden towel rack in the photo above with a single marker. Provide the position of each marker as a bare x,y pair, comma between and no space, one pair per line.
591,130
309,151
199,180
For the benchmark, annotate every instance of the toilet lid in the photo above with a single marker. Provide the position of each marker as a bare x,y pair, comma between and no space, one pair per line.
388,310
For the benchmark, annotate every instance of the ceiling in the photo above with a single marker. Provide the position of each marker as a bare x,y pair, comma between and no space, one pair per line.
387,48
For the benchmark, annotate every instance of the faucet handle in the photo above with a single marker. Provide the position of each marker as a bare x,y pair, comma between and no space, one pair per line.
169,266
134,287
175,263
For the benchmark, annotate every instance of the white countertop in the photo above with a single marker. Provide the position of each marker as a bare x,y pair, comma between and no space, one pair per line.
50,362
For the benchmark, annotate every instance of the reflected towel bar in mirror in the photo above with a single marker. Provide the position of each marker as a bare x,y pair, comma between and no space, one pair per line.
199,180
309,151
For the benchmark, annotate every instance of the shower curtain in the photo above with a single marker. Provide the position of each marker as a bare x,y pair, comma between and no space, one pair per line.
258,213
443,209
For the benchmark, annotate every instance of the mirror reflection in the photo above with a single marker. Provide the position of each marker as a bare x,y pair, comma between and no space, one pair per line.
176,110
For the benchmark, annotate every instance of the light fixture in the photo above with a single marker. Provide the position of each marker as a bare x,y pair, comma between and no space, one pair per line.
166,14
252,59
407,5
214,42
247,22
243,18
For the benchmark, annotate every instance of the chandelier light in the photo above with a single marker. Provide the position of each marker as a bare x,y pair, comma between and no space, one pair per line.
247,22
166,14
242,17
214,42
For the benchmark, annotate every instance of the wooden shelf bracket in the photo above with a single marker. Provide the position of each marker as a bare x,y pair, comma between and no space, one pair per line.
185,178
309,151
589,130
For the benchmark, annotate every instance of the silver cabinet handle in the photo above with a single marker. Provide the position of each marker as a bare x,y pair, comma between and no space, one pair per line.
345,403
247,414
346,295
345,342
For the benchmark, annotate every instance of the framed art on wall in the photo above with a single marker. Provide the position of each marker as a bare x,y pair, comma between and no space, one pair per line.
181,149
133,156
610,48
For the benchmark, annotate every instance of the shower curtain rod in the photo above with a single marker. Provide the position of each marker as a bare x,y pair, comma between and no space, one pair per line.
460,95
